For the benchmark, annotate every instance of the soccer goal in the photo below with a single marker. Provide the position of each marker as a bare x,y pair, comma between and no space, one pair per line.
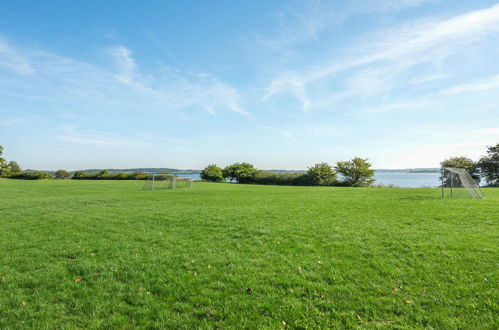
166,181
458,183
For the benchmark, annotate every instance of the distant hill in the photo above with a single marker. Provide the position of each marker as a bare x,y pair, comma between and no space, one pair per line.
409,170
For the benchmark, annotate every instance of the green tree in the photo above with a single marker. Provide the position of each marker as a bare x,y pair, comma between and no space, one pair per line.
461,162
357,172
79,174
13,167
212,173
61,174
3,163
320,174
241,172
103,173
489,165
8,168
229,171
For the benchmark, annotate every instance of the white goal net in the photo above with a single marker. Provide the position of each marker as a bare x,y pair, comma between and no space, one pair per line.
457,182
166,181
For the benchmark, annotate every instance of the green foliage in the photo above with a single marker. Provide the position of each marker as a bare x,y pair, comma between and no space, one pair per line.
282,179
8,169
489,165
31,175
139,176
103,173
314,257
357,172
78,175
229,172
13,167
241,172
107,175
212,173
321,174
461,162
61,174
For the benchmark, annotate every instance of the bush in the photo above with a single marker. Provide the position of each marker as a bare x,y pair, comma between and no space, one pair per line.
106,175
321,174
241,172
212,173
283,179
31,175
61,174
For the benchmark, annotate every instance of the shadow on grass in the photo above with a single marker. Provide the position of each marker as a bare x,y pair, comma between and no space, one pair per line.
418,198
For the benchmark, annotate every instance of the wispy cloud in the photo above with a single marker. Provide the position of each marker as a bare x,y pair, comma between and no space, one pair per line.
12,60
124,62
475,86
56,79
396,50
304,21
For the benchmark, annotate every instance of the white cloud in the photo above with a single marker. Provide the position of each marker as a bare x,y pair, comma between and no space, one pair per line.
124,62
304,21
64,81
13,60
396,50
475,86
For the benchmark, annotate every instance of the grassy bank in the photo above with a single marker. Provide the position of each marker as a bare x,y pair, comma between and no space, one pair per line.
107,254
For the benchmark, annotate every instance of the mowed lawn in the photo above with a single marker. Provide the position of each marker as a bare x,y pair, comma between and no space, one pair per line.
106,254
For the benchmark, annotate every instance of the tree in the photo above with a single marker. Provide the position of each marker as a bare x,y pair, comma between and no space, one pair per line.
212,173
241,172
489,165
321,174
357,172
8,168
2,162
461,162
13,167
229,171
104,173
61,174
79,174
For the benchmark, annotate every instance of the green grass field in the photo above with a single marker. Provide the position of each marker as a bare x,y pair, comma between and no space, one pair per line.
105,254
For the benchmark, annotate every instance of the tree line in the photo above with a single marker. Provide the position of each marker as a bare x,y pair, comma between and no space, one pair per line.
356,172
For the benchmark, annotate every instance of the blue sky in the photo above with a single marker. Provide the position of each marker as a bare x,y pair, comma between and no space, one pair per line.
280,84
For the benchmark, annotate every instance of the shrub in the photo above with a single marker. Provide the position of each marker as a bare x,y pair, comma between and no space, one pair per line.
61,174
31,175
283,179
241,172
212,173
321,174
139,176
106,175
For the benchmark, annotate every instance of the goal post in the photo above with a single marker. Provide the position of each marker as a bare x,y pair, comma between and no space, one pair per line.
457,183
166,181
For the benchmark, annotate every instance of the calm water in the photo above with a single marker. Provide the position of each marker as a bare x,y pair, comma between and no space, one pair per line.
399,179
408,180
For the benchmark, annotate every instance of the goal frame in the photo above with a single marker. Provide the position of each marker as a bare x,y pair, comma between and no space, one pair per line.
171,178
465,179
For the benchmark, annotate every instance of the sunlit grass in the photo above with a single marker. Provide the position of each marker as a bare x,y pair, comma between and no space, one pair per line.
108,254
